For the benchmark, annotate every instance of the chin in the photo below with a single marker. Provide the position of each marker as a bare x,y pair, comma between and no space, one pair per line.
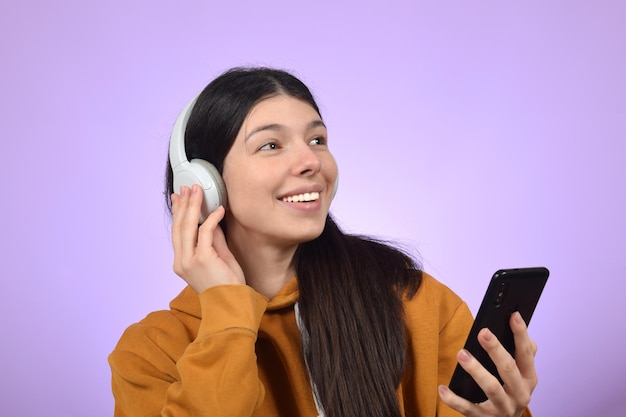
308,235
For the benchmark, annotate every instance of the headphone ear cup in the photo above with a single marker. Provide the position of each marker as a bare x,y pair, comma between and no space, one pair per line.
203,173
213,187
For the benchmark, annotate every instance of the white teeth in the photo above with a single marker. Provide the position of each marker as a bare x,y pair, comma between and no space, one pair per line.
300,198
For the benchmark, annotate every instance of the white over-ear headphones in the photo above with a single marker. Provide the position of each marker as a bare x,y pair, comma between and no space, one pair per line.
196,171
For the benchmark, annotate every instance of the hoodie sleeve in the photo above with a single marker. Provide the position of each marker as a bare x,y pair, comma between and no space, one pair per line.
157,370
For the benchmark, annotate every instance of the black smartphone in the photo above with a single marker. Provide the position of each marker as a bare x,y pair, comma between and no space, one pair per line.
510,290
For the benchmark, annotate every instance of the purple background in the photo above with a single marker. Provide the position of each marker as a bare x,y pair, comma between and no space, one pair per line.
483,134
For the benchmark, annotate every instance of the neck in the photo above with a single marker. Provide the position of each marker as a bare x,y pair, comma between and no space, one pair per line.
266,267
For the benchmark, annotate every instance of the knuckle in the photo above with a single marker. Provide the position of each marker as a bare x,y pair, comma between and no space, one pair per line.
523,399
529,349
473,366
464,409
509,366
186,265
492,388
178,270
511,410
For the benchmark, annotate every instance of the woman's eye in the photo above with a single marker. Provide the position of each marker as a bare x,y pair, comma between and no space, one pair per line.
318,141
268,147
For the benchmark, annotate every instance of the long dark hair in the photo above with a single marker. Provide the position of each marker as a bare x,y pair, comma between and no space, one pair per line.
351,287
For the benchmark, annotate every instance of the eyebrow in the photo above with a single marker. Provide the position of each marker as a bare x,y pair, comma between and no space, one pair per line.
275,126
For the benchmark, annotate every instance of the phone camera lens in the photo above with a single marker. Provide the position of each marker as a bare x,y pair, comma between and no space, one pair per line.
501,293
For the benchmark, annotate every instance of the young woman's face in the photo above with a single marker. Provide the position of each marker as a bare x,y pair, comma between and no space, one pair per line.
279,174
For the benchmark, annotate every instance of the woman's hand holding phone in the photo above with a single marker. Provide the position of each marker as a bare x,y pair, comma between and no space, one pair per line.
518,374
201,255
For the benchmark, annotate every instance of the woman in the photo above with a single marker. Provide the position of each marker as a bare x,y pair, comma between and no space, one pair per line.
284,314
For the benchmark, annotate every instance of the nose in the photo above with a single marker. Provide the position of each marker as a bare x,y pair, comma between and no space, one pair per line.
307,161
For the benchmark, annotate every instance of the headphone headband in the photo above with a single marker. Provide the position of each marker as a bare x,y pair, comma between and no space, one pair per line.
177,140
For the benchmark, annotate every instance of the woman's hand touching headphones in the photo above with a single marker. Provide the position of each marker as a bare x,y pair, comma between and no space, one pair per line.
201,255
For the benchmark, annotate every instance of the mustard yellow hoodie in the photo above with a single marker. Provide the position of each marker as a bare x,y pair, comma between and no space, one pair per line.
232,352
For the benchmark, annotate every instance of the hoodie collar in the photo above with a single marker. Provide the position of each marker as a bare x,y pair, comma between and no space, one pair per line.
188,301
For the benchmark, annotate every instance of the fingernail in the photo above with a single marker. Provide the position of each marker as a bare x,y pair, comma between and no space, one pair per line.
518,317
194,189
464,356
443,390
